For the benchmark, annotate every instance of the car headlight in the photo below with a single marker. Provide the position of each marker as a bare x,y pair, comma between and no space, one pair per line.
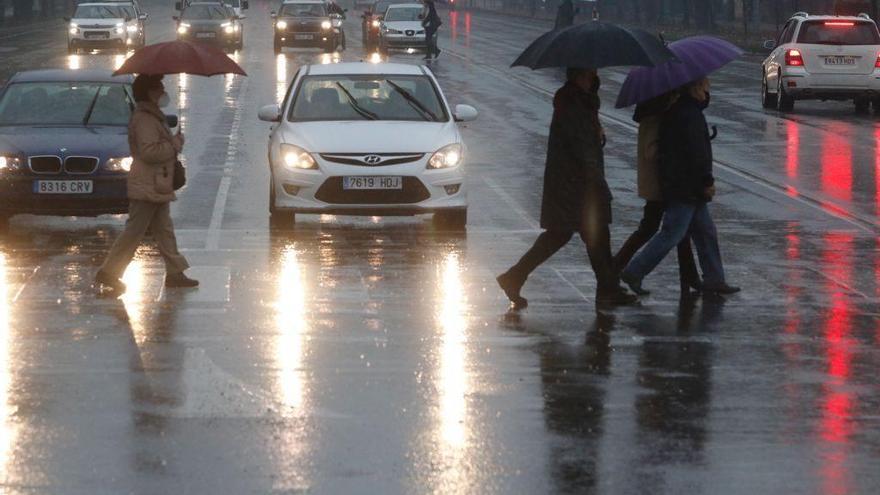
326,25
120,28
74,30
296,158
120,164
227,27
131,29
376,23
447,157
281,24
9,163
183,28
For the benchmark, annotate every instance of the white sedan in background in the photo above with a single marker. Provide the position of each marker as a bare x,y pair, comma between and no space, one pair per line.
367,139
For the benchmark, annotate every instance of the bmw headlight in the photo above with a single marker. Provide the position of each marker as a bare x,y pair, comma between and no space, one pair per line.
9,163
326,25
447,157
122,164
296,158
281,24
183,28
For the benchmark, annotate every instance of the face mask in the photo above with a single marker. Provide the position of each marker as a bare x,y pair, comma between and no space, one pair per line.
164,100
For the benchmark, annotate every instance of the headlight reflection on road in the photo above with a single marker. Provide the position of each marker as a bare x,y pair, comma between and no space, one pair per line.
8,430
453,369
136,306
74,62
292,326
280,77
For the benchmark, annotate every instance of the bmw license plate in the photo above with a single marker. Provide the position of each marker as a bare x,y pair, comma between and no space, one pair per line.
304,37
840,60
63,186
369,183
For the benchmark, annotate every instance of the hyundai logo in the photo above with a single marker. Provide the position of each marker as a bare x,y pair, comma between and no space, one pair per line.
372,159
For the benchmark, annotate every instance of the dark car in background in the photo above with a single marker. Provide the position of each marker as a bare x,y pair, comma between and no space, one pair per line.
64,143
210,22
306,23
371,22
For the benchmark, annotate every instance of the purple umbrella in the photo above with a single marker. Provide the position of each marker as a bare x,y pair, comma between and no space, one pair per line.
697,56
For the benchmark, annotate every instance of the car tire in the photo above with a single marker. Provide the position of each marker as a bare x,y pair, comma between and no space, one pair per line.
451,219
863,104
768,100
784,102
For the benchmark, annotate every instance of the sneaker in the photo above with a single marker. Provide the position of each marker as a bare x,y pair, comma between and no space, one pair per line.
619,297
104,278
511,287
180,280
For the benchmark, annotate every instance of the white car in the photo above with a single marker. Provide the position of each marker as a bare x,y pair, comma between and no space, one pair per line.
367,139
106,25
818,57
401,28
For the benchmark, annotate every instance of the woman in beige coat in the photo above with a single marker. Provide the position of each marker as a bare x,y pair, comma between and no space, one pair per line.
649,115
154,151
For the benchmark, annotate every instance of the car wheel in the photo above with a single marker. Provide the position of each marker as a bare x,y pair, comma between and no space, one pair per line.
863,104
768,100
784,102
451,219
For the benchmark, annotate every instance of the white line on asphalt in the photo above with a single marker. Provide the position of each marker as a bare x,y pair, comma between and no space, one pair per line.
583,296
21,289
510,202
213,239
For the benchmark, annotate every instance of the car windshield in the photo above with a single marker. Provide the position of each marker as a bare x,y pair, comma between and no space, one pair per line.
838,33
372,97
303,10
403,14
206,12
98,12
65,103
127,11
380,7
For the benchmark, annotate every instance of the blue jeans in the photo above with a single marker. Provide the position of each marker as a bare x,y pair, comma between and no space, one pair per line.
679,219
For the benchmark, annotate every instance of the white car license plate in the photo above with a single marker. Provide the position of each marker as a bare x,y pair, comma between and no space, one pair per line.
840,61
205,35
97,36
303,36
63,186
368,183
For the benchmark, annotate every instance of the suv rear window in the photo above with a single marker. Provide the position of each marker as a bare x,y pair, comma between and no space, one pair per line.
840,32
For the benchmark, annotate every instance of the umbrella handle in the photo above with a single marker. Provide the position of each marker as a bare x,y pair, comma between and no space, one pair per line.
713,133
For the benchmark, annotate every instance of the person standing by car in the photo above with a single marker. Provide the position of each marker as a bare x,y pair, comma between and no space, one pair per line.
687,185
576,197
431,23
154,151
649,116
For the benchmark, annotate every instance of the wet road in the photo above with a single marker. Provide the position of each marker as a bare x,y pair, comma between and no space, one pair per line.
375,356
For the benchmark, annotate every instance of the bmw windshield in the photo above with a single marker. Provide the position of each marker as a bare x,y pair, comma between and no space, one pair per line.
206,13
303,10
372,97
65,103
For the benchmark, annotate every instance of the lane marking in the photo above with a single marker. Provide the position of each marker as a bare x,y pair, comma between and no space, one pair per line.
567,281
511,202
212,241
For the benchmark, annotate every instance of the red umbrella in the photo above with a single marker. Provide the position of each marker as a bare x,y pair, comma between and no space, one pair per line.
180,57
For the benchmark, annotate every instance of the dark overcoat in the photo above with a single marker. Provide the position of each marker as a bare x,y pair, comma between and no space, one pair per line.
574,174
685,161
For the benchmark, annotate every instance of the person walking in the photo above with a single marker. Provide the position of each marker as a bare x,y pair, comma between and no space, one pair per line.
576,197
565,14
649,116
688,186
431,23
154,151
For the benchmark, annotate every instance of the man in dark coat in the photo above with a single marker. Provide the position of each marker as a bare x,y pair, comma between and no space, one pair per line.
565,14
431,23
687,185
576,197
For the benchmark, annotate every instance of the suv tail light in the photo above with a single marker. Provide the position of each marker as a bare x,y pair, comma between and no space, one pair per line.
794,58
877,62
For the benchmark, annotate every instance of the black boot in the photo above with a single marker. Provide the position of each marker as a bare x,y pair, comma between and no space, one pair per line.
633,283
511,285
110,281
721,288
615,297
179,280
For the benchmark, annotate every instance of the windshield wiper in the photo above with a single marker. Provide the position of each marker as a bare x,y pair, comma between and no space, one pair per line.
354,104
414,102
91,106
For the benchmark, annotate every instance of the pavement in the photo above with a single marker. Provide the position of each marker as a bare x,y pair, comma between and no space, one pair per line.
377,355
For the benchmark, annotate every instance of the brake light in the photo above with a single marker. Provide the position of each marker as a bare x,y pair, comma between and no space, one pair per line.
840,24
794,58
877,62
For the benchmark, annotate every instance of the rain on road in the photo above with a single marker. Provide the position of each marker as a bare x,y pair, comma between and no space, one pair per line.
368,355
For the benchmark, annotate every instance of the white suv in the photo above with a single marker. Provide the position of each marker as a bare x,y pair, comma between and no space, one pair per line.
366,139
820,57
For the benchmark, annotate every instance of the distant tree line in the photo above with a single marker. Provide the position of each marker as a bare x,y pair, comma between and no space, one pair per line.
14,11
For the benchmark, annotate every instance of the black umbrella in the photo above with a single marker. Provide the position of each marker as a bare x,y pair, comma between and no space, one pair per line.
593,45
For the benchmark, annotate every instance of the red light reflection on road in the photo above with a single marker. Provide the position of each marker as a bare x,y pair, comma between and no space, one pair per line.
792,147
453,26
793,280
877,170
837,163
836,426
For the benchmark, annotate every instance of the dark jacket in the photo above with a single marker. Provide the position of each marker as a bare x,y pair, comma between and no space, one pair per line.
649,116
432,21
685,152
574,177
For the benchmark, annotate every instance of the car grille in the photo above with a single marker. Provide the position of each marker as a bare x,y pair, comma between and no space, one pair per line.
80,164
45,164
372,159
413,191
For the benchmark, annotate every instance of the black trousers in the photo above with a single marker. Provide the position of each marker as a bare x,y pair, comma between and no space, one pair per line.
649,225
431,41
598,242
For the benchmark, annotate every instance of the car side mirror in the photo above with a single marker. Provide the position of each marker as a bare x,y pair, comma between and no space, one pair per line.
270,113
465,113
273,14
178,5
171,120
242,17
245,5
769,45
143,17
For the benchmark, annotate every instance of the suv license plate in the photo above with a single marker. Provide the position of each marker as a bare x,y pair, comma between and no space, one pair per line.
368,183
63,186
840,61
205,35
303,37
